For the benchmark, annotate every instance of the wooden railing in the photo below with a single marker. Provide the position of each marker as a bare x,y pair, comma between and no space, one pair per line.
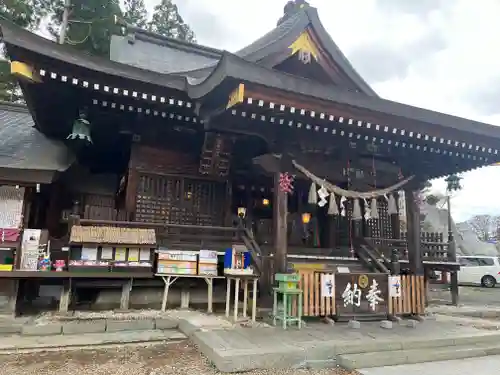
432,246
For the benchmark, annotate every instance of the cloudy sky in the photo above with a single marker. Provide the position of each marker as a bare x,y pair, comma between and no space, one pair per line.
437,54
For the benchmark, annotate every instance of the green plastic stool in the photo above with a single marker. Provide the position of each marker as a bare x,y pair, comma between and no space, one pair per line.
288,287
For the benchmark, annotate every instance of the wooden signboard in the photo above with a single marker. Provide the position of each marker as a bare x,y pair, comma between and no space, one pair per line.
361,294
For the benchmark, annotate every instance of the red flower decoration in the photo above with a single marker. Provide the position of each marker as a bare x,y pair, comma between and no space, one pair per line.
286,183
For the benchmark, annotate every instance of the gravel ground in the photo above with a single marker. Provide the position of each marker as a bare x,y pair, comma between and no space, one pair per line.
181,358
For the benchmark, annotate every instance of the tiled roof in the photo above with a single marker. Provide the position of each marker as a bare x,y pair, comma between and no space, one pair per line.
24,147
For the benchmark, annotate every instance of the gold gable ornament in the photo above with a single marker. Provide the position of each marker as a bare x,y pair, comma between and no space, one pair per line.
305,48
237,96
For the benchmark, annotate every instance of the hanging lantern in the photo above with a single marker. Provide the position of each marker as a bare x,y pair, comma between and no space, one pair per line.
242,212
265,202
306,217
81,129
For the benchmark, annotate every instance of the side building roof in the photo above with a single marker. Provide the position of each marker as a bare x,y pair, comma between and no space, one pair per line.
22,147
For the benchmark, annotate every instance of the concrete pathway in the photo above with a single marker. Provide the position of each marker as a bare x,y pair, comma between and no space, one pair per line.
475,311
240,349
477,366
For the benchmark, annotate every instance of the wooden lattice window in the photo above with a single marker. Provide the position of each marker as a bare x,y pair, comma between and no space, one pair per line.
381,227
179,200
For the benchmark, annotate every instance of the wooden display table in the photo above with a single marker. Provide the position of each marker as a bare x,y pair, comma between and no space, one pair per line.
244,279
169,279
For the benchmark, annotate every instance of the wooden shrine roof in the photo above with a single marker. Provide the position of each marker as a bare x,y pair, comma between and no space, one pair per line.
234,68
101,235
25,41
198,95
162,54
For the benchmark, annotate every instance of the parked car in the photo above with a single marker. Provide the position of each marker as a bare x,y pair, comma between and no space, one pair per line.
479,270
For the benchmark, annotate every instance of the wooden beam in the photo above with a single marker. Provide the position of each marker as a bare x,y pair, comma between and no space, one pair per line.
291,99
330,169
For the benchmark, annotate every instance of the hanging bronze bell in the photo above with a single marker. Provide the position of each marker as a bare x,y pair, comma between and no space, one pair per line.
81,130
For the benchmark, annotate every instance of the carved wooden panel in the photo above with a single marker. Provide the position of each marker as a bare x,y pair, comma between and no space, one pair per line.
215,155
150,159
101,207
179,200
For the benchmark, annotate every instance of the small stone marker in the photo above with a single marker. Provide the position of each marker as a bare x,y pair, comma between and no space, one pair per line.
411,323
386,324
329,321
354,324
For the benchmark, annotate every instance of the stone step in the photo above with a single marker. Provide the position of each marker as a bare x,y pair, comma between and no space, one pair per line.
83,326
410,356
75,341
417,344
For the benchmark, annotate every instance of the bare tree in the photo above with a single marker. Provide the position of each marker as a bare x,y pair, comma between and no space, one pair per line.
484,226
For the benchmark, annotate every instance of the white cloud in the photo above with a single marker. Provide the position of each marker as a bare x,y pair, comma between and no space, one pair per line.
440,80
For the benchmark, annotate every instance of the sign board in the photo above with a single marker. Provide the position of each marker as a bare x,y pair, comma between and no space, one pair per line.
361,294
11,207
395,286
327,285
343,269
308,266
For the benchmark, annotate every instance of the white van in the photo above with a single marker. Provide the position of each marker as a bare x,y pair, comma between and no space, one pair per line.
479,270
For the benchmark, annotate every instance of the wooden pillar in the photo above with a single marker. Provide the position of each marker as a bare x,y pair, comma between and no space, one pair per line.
65,298
249,218
395,223
332,231
452,257
125,296
131,191
413,236
280,227
9,290
395,265
228,215
357,230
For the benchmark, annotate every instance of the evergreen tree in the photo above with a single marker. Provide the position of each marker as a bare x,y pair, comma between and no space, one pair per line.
26,14
91,24
167,21
135,13
9,90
